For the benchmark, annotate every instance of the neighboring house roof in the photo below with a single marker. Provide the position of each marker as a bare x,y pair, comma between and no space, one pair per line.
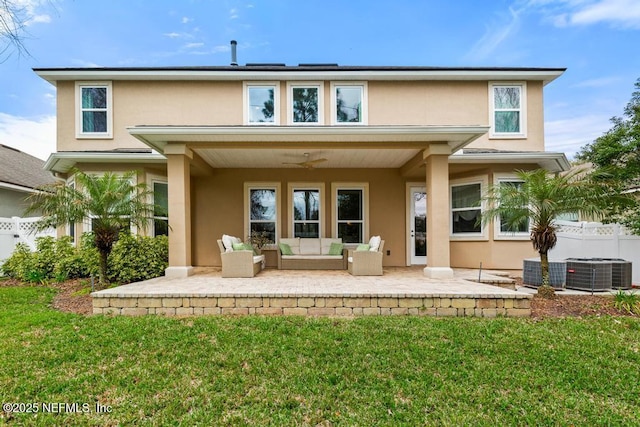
302,71
22,171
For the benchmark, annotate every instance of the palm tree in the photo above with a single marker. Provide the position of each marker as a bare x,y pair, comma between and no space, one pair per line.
539,199
110,201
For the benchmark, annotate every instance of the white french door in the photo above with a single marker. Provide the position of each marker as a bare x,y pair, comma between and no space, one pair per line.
417,226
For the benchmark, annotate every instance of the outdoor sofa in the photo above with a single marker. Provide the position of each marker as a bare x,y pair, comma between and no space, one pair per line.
240,261
311,254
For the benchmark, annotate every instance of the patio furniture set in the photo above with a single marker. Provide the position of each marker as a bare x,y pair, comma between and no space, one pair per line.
242,260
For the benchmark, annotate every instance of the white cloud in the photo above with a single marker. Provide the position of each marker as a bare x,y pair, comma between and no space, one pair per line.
173,35
85,64
35,136
495,35
564,13
600,82
570,134
233,14
625,13
193,45
186,20
221,48
39,19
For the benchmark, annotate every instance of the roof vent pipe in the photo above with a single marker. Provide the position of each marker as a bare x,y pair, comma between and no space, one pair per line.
234,57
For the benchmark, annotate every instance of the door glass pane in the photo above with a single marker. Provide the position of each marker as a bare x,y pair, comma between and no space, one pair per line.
305,104
420,223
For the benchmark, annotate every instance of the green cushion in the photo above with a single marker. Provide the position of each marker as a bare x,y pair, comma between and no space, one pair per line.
363,247
285,249
336,249
242,247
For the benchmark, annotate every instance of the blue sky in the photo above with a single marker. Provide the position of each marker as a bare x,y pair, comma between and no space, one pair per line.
596,40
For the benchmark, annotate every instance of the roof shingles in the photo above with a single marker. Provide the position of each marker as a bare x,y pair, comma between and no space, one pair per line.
21,169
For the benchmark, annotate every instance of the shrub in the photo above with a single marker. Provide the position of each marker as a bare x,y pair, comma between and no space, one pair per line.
138,258
132,259
629,302
19,263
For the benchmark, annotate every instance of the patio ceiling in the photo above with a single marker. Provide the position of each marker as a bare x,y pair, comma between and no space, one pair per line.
274,146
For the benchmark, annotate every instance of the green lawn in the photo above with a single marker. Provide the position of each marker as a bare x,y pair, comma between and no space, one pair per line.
298,371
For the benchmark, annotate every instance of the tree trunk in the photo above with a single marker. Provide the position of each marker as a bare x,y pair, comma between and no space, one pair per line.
103,279
544,267
545,290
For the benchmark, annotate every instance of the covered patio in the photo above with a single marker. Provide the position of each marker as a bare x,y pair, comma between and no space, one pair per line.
400,291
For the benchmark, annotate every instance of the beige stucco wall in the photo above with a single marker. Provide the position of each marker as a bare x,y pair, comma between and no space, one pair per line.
221,103
218,205
218,208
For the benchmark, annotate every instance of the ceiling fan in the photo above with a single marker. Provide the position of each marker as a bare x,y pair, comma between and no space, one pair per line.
309,164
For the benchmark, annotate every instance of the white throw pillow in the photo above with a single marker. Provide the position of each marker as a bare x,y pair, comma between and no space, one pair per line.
228,241
374,243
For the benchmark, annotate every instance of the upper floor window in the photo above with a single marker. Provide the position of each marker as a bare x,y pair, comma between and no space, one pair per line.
349,103
261,103
305,101
508,113
94,110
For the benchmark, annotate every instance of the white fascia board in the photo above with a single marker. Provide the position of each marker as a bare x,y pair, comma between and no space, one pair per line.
15,187
64,161
553,162
546,76
157,137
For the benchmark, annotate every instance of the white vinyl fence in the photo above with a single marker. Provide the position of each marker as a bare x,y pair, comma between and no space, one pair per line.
597,240
19,230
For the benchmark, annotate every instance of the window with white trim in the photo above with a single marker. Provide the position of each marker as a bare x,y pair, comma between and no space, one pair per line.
350,212
262,104
501,229
306,211
160,208
348,103
507,107
262,210
94,110
305,103
466,209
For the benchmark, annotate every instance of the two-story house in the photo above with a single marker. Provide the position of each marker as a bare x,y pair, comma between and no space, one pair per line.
314,150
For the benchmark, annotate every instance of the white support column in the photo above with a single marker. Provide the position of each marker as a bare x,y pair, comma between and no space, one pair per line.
437,184
179,189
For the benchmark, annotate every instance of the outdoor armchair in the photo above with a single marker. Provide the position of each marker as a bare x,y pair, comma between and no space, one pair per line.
365,263
242,263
